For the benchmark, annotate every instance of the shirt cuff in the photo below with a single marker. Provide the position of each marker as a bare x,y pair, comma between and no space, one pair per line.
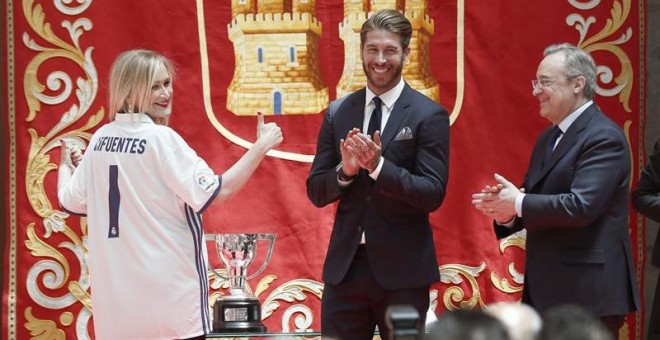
343,184
374,175
518,204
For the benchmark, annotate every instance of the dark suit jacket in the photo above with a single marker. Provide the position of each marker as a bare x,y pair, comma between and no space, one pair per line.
576,216
646,198
394,210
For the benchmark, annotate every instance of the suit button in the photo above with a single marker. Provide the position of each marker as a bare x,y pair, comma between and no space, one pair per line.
368,199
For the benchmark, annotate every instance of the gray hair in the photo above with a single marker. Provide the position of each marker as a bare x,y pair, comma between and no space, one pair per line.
521,320
578,63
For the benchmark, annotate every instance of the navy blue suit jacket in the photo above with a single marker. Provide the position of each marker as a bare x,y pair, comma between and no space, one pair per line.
393,211
576,215
646,198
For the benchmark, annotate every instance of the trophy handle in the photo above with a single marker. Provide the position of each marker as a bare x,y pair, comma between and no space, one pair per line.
271,244
219,273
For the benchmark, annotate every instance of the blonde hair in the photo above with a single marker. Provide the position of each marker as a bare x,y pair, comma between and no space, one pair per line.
131,77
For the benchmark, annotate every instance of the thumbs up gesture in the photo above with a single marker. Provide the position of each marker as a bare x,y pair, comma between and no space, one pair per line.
71,155
268,134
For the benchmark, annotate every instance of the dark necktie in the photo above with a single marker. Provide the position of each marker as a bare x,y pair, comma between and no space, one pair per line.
556,132
374,121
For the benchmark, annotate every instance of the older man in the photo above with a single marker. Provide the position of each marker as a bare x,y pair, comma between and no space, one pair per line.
574,200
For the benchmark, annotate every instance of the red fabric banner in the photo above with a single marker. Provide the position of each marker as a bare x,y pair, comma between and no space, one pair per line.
475,58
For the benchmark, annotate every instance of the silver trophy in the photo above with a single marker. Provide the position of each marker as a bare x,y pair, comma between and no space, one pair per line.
240,311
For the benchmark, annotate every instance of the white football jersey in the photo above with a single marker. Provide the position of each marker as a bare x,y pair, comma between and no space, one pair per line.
143,190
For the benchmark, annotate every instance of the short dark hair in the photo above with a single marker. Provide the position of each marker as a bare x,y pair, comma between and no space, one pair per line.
390,20
572,322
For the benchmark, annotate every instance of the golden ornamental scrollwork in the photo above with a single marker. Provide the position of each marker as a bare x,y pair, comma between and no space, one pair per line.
42,329
455,274
54,242
607,41
87,88
297,290
517,240
503,284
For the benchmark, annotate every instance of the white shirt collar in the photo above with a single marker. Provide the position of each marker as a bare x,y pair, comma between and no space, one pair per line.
566,123
389,97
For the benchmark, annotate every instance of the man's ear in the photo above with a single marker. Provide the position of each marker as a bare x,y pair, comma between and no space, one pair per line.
579,84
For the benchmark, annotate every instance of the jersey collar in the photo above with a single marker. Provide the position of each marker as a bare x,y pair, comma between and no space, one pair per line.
133,118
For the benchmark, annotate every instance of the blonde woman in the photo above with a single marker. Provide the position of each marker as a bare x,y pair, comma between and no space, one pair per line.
143,189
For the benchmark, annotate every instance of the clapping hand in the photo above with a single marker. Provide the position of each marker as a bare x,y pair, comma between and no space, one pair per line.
498,201
349,158
365,151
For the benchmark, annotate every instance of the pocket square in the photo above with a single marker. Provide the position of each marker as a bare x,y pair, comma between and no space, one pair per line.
404,134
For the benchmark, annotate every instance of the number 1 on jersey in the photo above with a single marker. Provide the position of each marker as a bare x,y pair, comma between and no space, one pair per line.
113,202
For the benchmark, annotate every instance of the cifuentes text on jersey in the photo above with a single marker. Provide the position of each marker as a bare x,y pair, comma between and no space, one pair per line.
121,144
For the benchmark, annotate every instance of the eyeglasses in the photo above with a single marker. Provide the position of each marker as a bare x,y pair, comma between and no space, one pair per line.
547,82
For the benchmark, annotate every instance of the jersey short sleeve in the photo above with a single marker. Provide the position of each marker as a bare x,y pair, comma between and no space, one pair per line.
189,176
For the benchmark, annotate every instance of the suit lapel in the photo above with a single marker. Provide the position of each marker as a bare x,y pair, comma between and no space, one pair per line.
566,142
354,110
399,112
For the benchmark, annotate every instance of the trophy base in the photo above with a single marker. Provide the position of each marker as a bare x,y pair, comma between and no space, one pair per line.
231,315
